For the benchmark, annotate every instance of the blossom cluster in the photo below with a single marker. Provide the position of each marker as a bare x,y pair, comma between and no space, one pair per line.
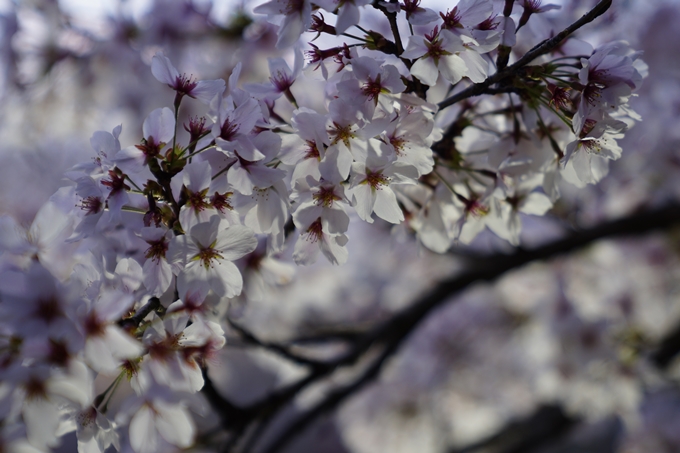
159,234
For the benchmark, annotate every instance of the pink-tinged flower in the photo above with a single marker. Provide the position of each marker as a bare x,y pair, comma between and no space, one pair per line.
158,420
597,138
178,350
106,145
307,146
609,77
436,52
466,14
472,212
203,90
348,12
371,189
197,180
247,175
374,85
533,7
265,210
35,305
94,431
44,393
206,254
281,79
116,186
348,135
158,130
313,239
408,139
477,66
107,346
524,199
43,241
297,18
416,14
428,211
165,364
323,200
92,205
157,271
235,120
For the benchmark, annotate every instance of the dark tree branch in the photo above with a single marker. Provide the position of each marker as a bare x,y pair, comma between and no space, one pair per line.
331,335
668,348
332,400
543,426
392,332
133,322
541,49
279,349
392,19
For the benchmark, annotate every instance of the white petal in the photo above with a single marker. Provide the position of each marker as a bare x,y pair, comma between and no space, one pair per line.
157,276
235,242
42,419
452,67
536,203
206,90
205,234
425,70
416,48
306,250
333,248
386,206
159,126
163,70
174,424
143,434
363,200
347,16
225,279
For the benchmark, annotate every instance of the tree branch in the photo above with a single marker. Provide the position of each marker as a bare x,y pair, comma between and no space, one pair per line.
133,322
395,330
541,49
279,349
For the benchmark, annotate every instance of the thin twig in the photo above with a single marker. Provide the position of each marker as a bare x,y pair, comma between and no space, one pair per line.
279,349
541,49
134,321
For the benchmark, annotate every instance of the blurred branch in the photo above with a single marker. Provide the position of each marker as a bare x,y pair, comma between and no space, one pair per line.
668,348
391,333
543,426
348,334
283,351
541,49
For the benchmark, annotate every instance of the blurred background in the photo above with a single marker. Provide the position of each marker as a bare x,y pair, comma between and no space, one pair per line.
574,355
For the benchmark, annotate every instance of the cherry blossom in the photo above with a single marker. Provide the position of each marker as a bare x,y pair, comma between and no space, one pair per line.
371,190
203,90
158,130
297,18
206,254
436,52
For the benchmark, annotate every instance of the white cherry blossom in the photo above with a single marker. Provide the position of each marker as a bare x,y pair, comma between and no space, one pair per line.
206,254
